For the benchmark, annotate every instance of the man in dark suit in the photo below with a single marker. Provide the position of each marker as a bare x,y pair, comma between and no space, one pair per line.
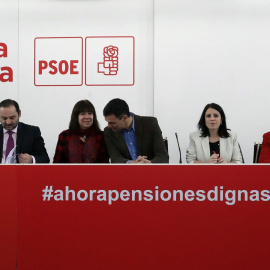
24,140
131,138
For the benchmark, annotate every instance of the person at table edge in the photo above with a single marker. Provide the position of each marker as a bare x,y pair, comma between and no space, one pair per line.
132,138
30,147
265,150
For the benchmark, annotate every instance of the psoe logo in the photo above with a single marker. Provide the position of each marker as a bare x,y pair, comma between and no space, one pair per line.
110,61
6,73
109,66
58,61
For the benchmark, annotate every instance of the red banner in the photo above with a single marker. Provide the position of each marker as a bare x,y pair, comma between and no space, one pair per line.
139,217
8,228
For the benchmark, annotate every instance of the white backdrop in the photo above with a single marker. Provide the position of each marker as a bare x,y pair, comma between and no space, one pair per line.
50,107
187,53
212,51
9,35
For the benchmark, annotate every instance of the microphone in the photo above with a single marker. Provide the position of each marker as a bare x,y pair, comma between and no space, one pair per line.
241,153
180,161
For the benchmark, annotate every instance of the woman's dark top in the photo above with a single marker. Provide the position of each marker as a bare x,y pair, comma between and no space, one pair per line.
85,147
214,147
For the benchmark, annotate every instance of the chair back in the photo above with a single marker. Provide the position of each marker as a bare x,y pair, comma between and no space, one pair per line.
257,152
165,140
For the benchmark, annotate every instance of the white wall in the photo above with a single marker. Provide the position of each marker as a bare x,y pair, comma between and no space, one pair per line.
212,51
9,36
187,53
50,107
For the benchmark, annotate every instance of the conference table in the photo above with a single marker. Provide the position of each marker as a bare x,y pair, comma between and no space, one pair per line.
134,217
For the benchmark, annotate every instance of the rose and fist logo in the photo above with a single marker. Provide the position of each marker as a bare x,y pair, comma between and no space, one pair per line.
109,66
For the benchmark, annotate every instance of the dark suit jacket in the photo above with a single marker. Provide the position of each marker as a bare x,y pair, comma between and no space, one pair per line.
148,138
29,141
265,150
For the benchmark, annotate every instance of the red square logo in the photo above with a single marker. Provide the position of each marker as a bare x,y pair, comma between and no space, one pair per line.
110,61
58,61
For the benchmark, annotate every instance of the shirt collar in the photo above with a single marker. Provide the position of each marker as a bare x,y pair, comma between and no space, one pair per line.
133,124
13,130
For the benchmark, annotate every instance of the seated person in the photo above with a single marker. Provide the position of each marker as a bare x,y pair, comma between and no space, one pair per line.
265,150
132,138
83,142
19,142
213,142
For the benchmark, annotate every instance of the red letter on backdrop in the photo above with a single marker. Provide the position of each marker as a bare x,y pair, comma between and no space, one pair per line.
3,50
73,66
66,67
42,65
9,74
52,64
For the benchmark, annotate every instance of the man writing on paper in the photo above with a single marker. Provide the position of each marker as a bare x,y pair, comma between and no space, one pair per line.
19,139
131,138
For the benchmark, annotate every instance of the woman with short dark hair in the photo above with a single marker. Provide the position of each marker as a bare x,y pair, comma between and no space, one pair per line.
83,142
213,142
